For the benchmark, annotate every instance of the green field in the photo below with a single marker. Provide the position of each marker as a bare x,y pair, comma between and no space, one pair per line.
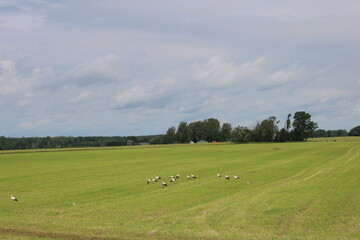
307,190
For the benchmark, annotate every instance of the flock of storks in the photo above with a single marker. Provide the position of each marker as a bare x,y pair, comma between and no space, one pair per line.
156,178
189,176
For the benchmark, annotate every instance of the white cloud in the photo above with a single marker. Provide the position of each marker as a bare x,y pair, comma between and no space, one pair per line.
35,124
219,73
280,78
21,21
102,70
23,103
152,95
83,96
9,79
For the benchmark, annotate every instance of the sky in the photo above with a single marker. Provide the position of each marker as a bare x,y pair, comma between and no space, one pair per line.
120,68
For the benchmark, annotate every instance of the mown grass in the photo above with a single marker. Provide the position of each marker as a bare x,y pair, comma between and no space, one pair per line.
298,191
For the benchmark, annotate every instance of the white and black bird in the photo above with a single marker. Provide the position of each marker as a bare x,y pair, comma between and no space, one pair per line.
236,177
227,177
173,180
154,180
177,176
13,198
157,178
148,181
193,176
249,182
171,176
188,177
218,174
164,184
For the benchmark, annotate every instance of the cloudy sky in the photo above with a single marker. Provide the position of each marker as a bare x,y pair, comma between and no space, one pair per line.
110,67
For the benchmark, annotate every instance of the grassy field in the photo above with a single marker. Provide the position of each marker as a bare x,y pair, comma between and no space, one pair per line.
305,190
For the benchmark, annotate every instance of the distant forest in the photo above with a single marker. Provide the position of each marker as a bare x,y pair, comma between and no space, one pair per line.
7,143
299,128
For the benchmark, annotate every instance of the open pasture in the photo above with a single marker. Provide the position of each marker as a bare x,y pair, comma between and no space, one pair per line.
305,190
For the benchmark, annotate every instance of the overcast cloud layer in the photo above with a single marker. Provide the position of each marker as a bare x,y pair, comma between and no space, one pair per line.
138,67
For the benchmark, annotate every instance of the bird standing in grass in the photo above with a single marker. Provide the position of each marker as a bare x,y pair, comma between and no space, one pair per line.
236,177
227,177
219,175
164,184
148,181
173,180
13,198
177,176
74,204
188,177
193,176
154,180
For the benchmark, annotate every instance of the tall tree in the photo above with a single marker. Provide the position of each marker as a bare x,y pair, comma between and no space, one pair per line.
266,130
170,136
288,122
303,126
241,135
212,129
355,131
196,131
182,133
226,129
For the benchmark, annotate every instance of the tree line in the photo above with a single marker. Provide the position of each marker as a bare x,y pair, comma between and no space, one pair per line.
298,128
7,143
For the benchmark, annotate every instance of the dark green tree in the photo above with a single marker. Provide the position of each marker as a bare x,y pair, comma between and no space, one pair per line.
170,136
355,131
157,140
241,135
182,133
196,131
320,133
282,136
303,127
212,129
288,122
226,129
266,130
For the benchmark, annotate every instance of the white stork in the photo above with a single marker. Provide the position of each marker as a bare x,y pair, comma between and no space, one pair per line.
154,180
188,177
157,178
219,175
236,177
173,180
164,184
148,181
193,176
177,175
13,198
227,177
74,204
